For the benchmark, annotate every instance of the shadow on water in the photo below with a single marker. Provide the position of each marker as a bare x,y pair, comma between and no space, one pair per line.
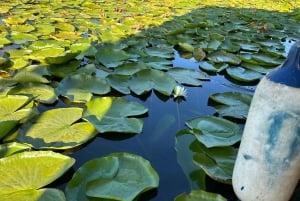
166,116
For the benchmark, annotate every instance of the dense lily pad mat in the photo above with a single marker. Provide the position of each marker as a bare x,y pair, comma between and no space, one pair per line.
118,176
87,53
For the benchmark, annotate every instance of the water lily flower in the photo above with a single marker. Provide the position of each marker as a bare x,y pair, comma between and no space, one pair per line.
179,91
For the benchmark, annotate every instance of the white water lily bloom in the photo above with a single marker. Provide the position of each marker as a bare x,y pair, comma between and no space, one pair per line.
179,91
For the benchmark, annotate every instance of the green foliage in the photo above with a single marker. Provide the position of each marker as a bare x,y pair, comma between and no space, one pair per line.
117,176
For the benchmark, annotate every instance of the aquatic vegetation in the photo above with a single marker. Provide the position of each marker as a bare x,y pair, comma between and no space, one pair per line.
70,72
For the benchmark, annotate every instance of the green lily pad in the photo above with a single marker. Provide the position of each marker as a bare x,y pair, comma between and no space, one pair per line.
52,51
217,162
117,176
197,195
61,59
45,194
188,76
20,38
81,87
243,75
215,131
110,57
14,109
57,129
160,52
26,77
43,93
158,63
119,82
232,104
211,67
12,148
148,79
224,57
40,168
114,114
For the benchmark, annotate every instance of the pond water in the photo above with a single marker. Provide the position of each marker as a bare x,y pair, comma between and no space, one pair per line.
157,141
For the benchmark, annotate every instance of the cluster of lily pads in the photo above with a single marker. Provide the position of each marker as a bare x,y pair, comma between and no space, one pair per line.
90,55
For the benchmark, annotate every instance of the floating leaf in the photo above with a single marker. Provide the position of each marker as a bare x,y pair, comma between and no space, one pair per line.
57,129
197,195
188,76
160,52
111,58
117,176
14,109
43,93
232,104
45,194
119,82
12,148
61,59
114,114
243,75
81,87
39,168
217,162
215,131
224,57
186,47
211,67
20,38
148,79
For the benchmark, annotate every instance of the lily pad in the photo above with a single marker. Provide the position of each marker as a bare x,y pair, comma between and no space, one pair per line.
224,57
43,93
40,168
13,110
215,131
243,75
12,148
61,59
117,176
188,76
232,104
45,194
197,195
148,79
212,67
81,87
110,57
57,129
114,114
217,162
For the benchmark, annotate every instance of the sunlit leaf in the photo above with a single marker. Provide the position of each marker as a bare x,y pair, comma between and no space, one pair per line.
57,129
45,194
43,93
14,109
118,176
67,56
39,169
12,148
